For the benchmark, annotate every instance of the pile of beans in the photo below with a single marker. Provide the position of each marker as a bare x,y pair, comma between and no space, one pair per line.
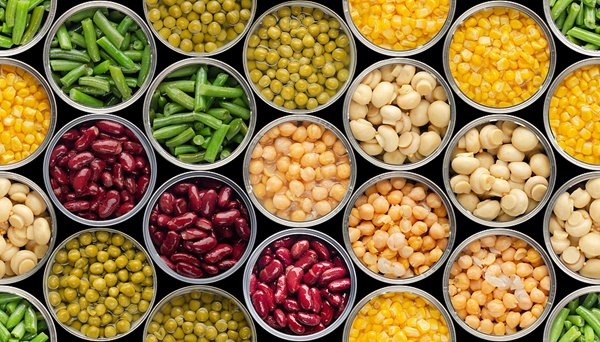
202,119
300,171
22,20
572,115
199,315
25,225
200,227
300,285
100,284
25,113
92,52
499,285
399,27
577,322
400,316
99,170
299,57
399,114
574,228
20,320
399,228
499,171
578,21
499,57
198,25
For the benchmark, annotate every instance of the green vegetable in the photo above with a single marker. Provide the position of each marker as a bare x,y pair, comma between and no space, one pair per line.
85,99
20,21
117,75
11,11
89,32
169,131
185,149
75,74
115,53
571,335
63,65
589,318
109,31
180,97
236,110
559,7
573,305
201,79
570,19
17,315
216,91
145,66
181,138
558,324
588,334
95,82
71,55
193,158
576,320
584,35
215,143
187,118
590,300
35,22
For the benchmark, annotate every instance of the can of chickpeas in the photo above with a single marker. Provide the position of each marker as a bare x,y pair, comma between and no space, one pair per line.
409,224
510,266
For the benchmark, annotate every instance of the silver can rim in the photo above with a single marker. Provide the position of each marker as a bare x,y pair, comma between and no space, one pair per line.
351,68
117,7
399,289
500,232
417,179
206,175
217,51
200,288
551,136
37,304
149,154
562,304
53,112
54,226
506,4
323,237
376,161
562,37
137,245
296,118
197,61
571,183
38,36
399,53
489,119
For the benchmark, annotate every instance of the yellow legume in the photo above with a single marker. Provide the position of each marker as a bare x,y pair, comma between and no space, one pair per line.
24,114
399,316
399,26
499,57
574,113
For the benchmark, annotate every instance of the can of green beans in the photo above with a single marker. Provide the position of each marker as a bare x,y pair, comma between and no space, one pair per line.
571,319
46,330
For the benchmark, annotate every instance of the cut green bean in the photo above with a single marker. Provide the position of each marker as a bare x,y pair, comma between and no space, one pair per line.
185,149
75,74
215,143
236,110
187,118
117,75
558,324
77,39
20,21
584,35
216,91
85,99
559,7
184,72
63,38
63,65
198,140
570,20
115,53
183,85
126,23
11,11
71,55
180,97
89,32
173,108
35,22
145,66
201,79
101,68
192,158
169,131
108,29
181,138
95,82
571,335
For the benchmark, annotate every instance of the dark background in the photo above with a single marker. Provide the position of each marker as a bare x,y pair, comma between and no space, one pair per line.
333,227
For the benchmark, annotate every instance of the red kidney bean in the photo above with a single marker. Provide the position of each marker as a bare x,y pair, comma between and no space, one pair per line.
253,283
126,197
304,297
314,273
80,160
224,233
106,179
327,313
109,204
70,135
180,189
286,242
272,322
98,166
88,215
293,279
280,318
339,285
307,260
315,329
107,146
342,305
204,224
62,162
92,189
86,138
317,301
153,216
95,203
280,289
170,264
130,185
239,247
57,153
188,270
70,197
299,248
208,203
235,204
241,228
158,237
194,197
218,253
142,186
182,221
270,296
140,162
308,319
225,218
162,220
226,264
180,206
330,275
110,127
321,250
338,261
193,234
77,205
184,257
271,271
264,260
124,208
225,194
291,305
334,299
209,269
204,245
127,161
294,325
59,175
80,180
133,147
170,243
283,254
259,301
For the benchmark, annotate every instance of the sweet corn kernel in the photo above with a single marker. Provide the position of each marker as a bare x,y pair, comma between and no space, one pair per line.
500,44
25,113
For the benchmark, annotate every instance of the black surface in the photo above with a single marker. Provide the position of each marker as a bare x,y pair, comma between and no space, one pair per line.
366,57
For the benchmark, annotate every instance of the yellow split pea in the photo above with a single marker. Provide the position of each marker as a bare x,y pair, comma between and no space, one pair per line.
574,114
404,25
499,57
24,114
399,316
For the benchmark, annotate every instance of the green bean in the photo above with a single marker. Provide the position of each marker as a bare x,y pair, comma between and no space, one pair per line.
117,75
89,32
42,325
115,53
126,23
169,131
73,75
138,45
145,65
225,153
77,39
109,31
95,82
216,91
101,68
571,335
183,72
573,305
20,21
590,300
4,333
219,81
42,337
173,108
236,110
6,298
588,334
589,17
17,315
559,7
238,138
85,99
589,318
183,85
18,331
63,38
215,143
3,317
584,35
141,36
198,140
181,138
187,118
192,158
87,90
568,325
558,324
199,99
11,11
240,102
64,65
579,19
180,97
71,55
570,20
234,127
219,113
83,14
576,320
185,149
5,42
206,132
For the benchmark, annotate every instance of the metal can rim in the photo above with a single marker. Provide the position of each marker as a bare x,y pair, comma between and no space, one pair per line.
476,123
149,154
445,139
506,4
199,174
162,76
340,137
